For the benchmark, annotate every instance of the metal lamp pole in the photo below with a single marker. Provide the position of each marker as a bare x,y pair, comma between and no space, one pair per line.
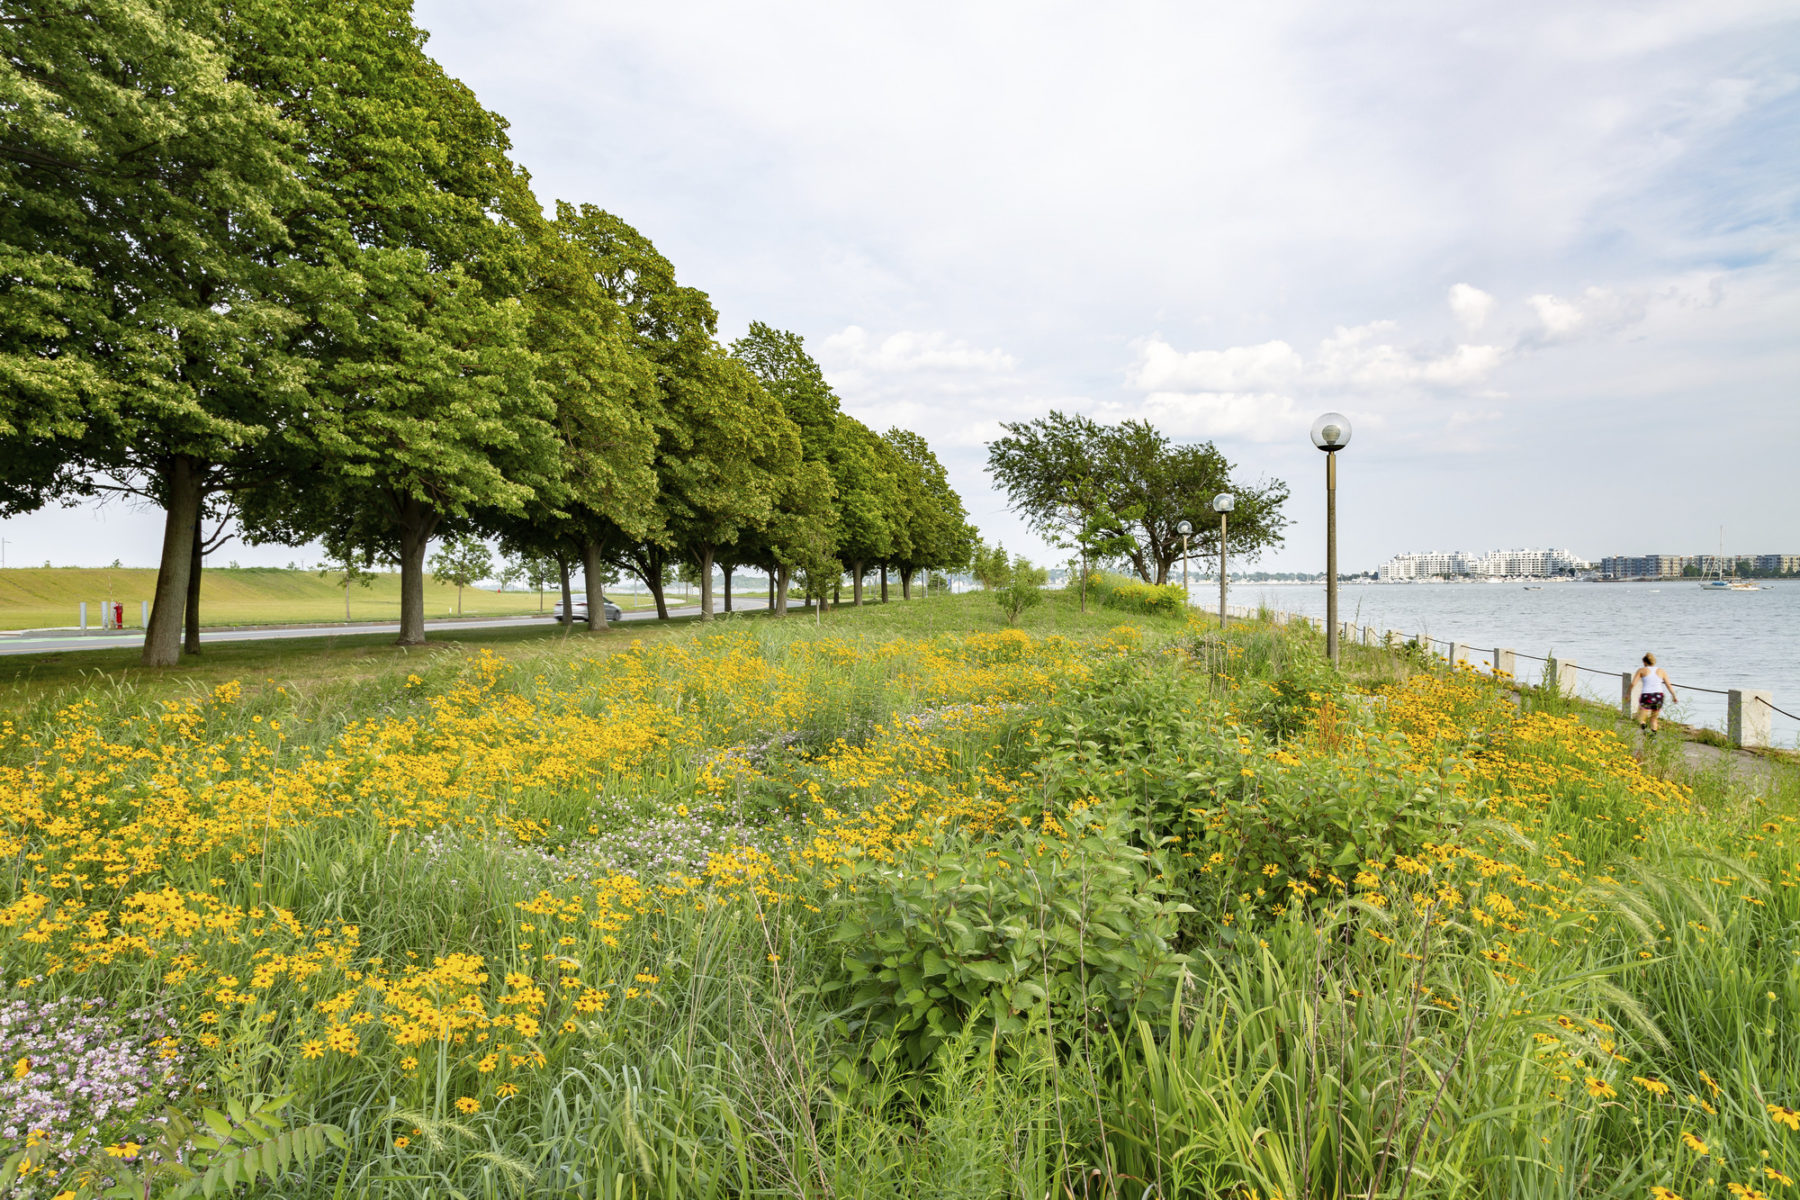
1331,433
1185,528
1223,503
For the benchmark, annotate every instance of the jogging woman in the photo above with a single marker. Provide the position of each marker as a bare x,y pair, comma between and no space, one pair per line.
1654,690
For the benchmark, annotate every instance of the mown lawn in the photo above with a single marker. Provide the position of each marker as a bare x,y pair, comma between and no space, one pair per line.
50,597
901,902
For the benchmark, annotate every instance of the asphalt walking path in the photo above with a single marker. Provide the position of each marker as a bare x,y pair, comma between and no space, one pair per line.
56,641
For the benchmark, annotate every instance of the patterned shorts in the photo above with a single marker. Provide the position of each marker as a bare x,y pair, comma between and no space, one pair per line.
1651,701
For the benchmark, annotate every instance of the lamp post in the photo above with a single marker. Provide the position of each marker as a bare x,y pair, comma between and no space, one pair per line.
1184,528
1223,503
1331,433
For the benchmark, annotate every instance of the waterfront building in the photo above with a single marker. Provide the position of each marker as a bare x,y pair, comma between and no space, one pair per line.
1674,566
1495,564
1527,564
1429,564
1644,566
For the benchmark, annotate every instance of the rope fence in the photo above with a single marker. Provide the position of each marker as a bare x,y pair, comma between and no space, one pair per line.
1746,726
1784,712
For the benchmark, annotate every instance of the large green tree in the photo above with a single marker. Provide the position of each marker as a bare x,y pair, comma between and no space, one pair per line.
934,533
1128,485
148,316
426,404
728,454
865,471
604,389
724,448
803,527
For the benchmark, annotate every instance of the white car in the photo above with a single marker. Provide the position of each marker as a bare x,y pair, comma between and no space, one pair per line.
613,612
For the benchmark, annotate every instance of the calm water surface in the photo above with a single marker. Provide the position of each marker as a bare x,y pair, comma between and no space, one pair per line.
1706,639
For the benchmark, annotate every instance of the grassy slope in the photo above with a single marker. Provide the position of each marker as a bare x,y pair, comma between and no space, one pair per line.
47,597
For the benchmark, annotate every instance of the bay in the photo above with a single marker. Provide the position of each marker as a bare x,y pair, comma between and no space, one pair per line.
1704,639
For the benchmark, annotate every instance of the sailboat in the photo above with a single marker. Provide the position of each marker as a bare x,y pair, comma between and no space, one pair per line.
1718,583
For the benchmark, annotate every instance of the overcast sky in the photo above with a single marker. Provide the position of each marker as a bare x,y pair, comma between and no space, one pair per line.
1543,255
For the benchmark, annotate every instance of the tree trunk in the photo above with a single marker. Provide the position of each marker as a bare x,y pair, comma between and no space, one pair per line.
706,586
1084,575
562,568
656,592
417,523
906,583
884,583
856,580
193,586
726,572
162,640
781,594
596,587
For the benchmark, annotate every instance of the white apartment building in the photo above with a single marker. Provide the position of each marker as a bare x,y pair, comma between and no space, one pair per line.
1495,564
1428,564
1527,564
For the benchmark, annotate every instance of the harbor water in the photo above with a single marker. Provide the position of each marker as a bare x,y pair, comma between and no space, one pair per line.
1716,640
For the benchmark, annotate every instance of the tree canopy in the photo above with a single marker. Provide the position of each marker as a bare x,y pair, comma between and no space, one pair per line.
1127,487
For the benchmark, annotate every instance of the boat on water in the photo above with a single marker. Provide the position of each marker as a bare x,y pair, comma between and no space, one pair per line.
1718,583
1534,587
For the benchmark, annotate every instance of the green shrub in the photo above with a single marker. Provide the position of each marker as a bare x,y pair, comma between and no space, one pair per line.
1131,595
1031,931
1021,589
1233,802
1280,677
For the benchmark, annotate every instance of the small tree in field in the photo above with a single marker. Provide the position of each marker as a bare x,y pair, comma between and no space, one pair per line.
511,572
819,574
1023,588
350,569
462,560
539,572
989,565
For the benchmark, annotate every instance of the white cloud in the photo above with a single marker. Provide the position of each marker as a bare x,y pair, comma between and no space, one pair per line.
1470,305
851,348
1256,417
1463,366
1559,318
1598,310
1241,368
1363,357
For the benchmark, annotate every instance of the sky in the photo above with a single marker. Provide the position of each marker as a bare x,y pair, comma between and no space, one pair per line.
1543,255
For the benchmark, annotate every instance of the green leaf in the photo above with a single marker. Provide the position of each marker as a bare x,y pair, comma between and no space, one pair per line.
986,970
216,1122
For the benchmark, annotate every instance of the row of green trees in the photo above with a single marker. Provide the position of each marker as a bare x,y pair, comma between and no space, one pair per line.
269,259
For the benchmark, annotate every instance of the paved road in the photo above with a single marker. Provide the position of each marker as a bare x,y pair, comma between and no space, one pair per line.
59,643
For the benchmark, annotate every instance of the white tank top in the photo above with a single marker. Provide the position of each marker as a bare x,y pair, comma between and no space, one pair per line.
1652,681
